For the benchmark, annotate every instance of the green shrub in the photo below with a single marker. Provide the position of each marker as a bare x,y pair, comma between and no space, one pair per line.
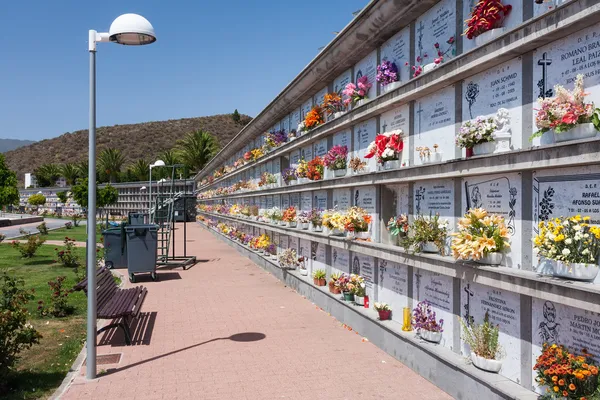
29,248
66,255
59,300
2,237
42,228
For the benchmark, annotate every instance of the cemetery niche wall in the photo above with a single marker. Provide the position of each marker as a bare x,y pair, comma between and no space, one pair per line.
345,181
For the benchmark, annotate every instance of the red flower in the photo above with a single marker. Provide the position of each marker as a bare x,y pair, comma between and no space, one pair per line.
570,118
396,143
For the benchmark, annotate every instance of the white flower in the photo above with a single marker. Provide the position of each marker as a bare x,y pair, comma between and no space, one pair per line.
566,252
585,251
568,241
587,235
576,227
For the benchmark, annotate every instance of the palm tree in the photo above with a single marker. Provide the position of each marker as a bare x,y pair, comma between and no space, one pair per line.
70,173
196,149
82,168
110,163
47,174
140,170
170,157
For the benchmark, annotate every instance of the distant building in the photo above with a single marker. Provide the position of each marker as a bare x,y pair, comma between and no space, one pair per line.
31,182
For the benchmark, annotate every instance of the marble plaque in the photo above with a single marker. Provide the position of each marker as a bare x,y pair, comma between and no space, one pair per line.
285,201
305,201
269,201
499,87
318,256
320,148
341,199
499,194
435,197
269,166
364,134
434,117
277,201
295,119
285,124
397,50
368,66
340,260
263,203
343,139
295,200
341,81
547,6
320,96
307,153
437,25
283,243
320,199
304,250
393,286
294,158
364,266
504,310
306,107
293,243
398,118
437,290
514,18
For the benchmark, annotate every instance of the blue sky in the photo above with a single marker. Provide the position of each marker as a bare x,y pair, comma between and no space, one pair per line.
210,58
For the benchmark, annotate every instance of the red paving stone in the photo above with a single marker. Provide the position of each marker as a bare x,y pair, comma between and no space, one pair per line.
186,354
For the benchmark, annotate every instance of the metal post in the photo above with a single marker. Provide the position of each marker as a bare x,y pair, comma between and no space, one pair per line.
150,219
91,222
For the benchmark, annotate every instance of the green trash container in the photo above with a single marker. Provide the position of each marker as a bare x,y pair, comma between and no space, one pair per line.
115,247
137,218
141,250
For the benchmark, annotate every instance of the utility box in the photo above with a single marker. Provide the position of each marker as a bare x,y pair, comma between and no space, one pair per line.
137,218
141,250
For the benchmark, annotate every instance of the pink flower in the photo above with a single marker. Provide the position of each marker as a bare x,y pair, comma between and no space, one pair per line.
570,118
361,93
451,40
436,45
438,60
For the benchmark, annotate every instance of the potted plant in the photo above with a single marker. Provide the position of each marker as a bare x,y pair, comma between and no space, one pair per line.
477,136
333,288
571,247
316,220
387,76
567,114
276,138
289,176
336,160
289,217
288,259
357,165
313,118
320,277
424,320
481,237
271,180
359,289
388,149
303,219
358,222
428,234
271,250
357,93
483,342
398,227
302,266
315,169
333,105
301,171
566,375
485,22
384,310
335,222
254,212
346,287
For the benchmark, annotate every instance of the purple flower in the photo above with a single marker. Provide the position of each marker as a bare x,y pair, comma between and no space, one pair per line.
387,73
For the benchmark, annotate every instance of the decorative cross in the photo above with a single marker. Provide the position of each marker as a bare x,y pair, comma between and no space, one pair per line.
384,126
418,276
418,197
467,306
420,30
419,111
544,62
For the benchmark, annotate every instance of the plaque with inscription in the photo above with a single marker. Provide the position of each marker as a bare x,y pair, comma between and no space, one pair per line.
397,50
277,201
434,123
320,96
318,256
306,107
304,250
342,139
285,124
320,199
295,200
321,148
364,134
285,201
341,81
341,199
293,243
305,201
294,158
435,197
269,201
368,66
306,153
295,119
393,286
340,260
437,25
364,266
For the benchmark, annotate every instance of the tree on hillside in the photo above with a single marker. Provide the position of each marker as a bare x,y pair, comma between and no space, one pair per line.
70,173
140,170
236,116
47,175
110,163
196,149
9,194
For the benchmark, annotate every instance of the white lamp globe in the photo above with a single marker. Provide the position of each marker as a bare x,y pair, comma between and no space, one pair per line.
159,163
131,30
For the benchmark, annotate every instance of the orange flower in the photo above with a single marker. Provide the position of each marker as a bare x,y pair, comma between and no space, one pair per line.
555,379
565,393
572,387
555,388
561,382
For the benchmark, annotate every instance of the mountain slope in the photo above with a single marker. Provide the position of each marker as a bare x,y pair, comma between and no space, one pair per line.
145,140
11,144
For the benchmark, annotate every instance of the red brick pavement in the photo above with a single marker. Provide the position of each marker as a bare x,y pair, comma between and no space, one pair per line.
186,354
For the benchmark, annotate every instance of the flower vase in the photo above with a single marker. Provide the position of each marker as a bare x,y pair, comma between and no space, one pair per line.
362,235
336,232
429,247
319,282
384,314
334,289
348,296
433,337
359,103
391,164
338,173
303,272
274,257
580,131
390,87
338,114
359,300
487,36
486,364
468,152
316,228
430,67
304,225
484,148
491,259
291,224
292,182
575,271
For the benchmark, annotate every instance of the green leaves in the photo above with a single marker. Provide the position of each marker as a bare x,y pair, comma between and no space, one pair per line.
9,194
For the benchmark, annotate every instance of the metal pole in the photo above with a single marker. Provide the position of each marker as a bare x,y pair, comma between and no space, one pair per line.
150,197
91,223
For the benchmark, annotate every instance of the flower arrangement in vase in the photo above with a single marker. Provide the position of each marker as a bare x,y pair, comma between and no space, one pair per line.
477,134
428,234
485,20
398,227
301,171
292,135
357,165
257,153
426,324
276,138
315,169
419,68
570,246
566,374
313,118
276,215
346,287
303,219
481,237
333,105
567,114
356,93
387,75
289,176
358,288
388,148
288,259
333,288
336,160
289,216
302,265
302,129
271,250
358,222
248,156
483,342
316,220
384,310
427,156
335,221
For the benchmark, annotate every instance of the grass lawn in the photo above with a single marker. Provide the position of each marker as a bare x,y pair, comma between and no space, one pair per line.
42,368
79,233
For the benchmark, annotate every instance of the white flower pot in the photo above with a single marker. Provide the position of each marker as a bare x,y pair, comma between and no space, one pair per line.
580,272
291,224
502,140
304,225
434,157
292,182
274,257
362,171
429,247
485,364
484,148
581,131
336,232
303,180
303,271
359,103
491,259
338,173
316,228
392,164
359,300
488,36
430,67
390,87
433,337
338,114
362,235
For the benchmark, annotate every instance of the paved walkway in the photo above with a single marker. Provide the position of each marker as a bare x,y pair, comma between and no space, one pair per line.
51,223
225,329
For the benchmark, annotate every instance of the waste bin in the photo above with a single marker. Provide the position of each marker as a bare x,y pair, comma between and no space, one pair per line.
115,247
137,218
141,250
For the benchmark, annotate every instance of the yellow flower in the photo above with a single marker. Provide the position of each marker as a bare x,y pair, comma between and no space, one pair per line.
559,238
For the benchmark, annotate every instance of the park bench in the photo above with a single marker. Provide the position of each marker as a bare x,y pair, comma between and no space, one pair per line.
115,303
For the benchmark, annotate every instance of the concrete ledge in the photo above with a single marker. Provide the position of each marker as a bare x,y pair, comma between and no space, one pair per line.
446,369
4,222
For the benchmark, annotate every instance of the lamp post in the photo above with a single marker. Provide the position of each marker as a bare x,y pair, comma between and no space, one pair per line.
157,163
131,30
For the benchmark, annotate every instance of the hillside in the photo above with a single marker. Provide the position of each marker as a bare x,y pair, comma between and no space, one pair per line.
11,144
145,140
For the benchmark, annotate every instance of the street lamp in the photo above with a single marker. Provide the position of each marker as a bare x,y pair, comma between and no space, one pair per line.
131,30
157,163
